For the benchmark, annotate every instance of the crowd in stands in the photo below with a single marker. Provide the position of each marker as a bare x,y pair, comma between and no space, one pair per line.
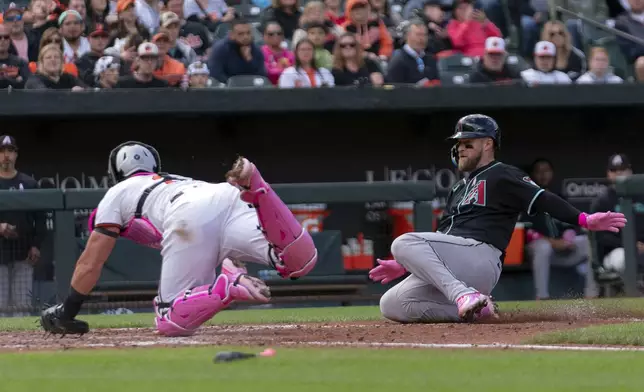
103,44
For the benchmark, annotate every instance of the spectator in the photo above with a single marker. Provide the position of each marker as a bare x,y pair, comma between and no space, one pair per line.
533,15
127,25
210,13
52,36
193,34
98,40
570,60
632,22
179,51
314,14
381,9
236,55
493,68
148,14
286,13
20,43
71,28
544,71
599,71
97,11
550,241
21,234
276,57
14,71
470,28
168,69
371,34
316,33
106,72
438,39
610,248
305,72
334,12
41,21
350,67
412,64
128,51
143,70
80,7
49,74
199,75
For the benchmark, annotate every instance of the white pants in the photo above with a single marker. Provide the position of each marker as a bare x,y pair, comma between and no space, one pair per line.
16,284
202,228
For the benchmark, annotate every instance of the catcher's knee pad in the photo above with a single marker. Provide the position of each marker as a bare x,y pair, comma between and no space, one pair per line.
293,248
185,314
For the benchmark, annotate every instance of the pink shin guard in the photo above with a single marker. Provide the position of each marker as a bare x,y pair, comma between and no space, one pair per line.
194,308
293,245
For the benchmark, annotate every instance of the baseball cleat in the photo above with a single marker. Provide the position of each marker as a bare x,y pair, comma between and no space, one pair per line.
470,304
489,312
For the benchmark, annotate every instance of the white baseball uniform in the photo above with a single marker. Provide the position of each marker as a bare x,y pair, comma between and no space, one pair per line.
202,224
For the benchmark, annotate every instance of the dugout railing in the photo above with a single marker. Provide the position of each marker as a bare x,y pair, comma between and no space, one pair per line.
130,276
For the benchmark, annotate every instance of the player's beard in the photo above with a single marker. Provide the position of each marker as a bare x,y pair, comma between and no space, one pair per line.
469,164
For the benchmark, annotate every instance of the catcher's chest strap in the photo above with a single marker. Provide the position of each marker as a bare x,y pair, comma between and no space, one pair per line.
138,213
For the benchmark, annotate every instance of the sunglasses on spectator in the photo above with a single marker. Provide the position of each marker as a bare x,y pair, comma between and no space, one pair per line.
7,37
558,32
274,33
348,45
13,18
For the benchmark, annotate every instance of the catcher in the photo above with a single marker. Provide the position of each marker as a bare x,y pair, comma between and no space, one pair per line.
197,225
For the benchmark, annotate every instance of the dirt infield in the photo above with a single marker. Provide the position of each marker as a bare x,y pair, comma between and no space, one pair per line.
512,328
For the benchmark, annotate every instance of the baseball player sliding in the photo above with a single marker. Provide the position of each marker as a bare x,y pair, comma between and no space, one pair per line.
197,225
453,271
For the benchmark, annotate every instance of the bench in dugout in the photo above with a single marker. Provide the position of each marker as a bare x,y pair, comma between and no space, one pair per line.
122,285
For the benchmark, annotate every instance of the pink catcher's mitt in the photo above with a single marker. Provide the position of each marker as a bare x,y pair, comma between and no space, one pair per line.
386,271
603,221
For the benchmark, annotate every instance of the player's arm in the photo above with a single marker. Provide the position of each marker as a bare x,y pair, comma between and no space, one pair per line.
529,197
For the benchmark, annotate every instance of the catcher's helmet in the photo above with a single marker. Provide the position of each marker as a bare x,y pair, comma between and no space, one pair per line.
475,126
132,157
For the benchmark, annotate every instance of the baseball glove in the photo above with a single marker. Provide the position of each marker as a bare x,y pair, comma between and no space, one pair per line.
53,321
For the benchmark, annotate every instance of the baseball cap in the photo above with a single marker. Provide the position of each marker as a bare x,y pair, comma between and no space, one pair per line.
545,48
13,9
99,31
618,162
122,5
8,141
198,68
168,18
160,36
495,45
148,49
105,63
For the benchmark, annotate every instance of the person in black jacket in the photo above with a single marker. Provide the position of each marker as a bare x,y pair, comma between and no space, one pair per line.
412,64
284,12
610,250
14,71
434,15
21,234
98,40
493,68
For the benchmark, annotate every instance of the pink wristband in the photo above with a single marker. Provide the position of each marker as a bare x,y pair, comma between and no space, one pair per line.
583,220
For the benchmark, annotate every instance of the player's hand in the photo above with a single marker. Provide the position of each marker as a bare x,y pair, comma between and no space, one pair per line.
8,231
603,221
386,271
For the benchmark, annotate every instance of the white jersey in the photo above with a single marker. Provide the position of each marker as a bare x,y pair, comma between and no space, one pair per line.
533,76
119,204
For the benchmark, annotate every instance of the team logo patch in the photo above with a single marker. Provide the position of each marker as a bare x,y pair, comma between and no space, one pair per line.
476,195
529,181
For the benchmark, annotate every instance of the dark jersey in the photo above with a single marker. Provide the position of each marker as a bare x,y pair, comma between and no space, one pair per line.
487,205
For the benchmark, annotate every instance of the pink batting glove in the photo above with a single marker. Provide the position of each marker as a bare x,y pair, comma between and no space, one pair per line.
602,221
569,236
386,271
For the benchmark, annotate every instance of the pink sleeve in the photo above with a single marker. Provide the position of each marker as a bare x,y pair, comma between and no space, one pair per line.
456,31
491,30
272,69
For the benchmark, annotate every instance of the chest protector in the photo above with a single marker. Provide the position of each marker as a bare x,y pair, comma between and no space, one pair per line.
139,229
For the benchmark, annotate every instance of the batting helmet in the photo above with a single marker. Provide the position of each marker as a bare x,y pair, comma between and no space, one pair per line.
475,126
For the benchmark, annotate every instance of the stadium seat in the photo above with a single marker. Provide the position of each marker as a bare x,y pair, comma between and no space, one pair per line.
256,81
517,62
449,78
454,69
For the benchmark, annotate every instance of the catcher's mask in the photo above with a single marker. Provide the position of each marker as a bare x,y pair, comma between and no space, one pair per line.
130,158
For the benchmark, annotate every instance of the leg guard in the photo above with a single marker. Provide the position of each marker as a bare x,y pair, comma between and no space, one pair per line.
185,314
293,246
